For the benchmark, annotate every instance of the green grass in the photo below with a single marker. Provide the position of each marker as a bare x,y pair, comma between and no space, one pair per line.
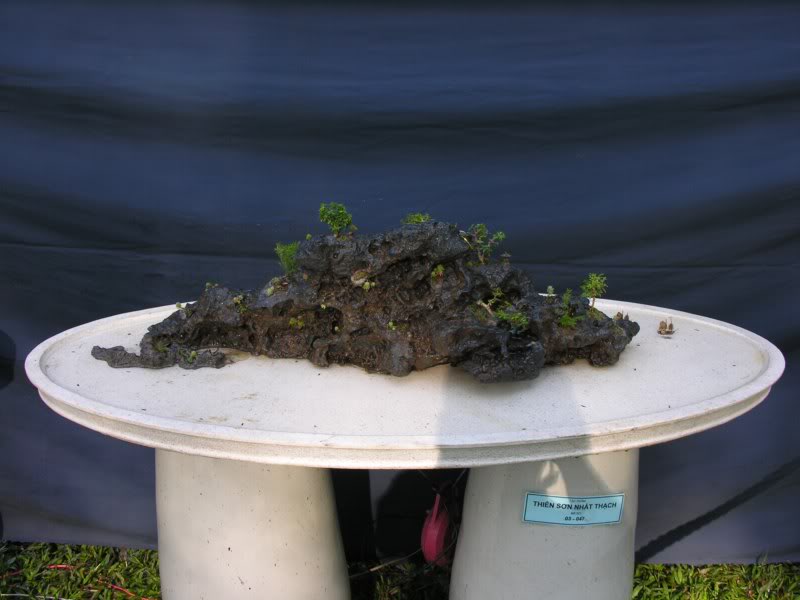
59,571
64,571
717,582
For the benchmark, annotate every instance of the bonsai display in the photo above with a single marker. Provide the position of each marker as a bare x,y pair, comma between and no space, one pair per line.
424,294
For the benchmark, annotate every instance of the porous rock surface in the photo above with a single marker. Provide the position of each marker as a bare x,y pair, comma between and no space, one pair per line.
410,319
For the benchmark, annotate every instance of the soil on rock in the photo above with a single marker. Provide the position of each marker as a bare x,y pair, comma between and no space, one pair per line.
404,300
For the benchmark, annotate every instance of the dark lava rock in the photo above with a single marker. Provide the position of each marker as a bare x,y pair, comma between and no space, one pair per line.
384,303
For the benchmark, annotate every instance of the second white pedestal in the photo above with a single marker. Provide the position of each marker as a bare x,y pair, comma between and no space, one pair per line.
500,556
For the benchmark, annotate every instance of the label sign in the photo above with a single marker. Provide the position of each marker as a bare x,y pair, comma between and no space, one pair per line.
573,510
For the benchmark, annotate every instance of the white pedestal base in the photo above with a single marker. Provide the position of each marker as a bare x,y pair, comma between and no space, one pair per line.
236,530
501,557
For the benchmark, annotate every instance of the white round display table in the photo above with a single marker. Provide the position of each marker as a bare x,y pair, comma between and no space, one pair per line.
244,498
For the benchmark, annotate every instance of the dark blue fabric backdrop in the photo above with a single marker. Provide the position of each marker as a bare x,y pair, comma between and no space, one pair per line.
148,147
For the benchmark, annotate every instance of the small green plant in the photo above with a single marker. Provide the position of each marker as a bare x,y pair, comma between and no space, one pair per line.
188,356
275,284
160,346
335,216
392,326
240,303
296,323
497,297
493,302
180,306
437,272
412,218
566,298
567,319
514,318
498,307
369,284
287,256
551,291
594,286
479,240
308,236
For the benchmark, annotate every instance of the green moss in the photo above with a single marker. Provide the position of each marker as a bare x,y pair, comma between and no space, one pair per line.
335,216
517,320
567,320
593,313
240,302
276,284
412,218
296,323
287,256
188,356
437,272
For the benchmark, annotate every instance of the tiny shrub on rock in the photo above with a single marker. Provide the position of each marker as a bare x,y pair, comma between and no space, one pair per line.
286,255
335,216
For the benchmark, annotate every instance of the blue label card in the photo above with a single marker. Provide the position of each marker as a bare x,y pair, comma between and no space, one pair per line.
573,510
